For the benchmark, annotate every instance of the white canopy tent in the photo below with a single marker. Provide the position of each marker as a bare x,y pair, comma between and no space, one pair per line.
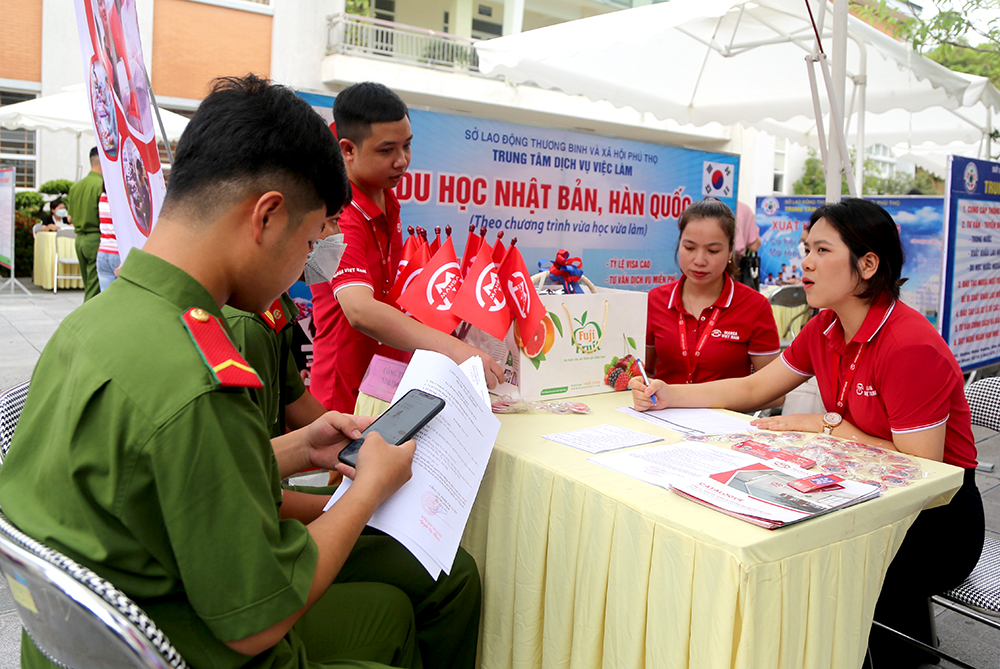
70,112
740,61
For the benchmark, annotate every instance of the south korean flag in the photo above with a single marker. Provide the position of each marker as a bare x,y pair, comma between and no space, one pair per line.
717,180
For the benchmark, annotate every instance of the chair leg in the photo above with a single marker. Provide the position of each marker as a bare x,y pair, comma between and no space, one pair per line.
923,646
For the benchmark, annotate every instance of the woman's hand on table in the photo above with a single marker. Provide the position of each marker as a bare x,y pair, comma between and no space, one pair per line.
642,394
796,422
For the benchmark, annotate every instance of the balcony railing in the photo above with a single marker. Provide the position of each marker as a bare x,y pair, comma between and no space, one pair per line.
352,34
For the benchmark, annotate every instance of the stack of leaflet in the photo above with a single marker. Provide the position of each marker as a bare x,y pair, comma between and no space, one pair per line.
429,513
766,494
736,483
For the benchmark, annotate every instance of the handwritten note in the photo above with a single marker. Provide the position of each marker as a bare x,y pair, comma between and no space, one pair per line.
602,438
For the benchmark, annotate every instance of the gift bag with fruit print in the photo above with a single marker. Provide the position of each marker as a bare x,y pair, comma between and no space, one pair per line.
575,349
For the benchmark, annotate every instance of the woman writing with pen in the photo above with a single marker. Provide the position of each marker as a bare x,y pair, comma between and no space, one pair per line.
706,326
888,379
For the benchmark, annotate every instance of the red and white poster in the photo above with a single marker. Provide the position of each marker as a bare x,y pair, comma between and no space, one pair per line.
118,87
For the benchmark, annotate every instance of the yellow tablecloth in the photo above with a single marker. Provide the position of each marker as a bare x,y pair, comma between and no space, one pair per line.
45,255
584,567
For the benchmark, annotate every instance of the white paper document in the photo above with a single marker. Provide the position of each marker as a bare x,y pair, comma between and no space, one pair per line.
674,463
691,421
429,513
602,438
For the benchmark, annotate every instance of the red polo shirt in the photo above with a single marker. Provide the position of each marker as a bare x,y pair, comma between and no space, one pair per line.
907,379
743,327
341,354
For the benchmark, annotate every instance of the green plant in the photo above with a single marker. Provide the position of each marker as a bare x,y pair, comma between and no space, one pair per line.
24,245
813,181
56,187
28,201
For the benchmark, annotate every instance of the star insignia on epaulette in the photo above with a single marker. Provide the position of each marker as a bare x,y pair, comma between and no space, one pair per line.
217,350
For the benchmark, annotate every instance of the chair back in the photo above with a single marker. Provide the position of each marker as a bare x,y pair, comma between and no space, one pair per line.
66,232
76,618
11,403
984,402
789,296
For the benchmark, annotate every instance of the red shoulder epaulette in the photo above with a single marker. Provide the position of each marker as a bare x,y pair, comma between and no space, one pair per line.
275,316
218,352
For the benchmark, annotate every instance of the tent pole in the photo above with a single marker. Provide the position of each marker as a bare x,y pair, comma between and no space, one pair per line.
836,84
837,139
163,131
79,164
861,87
817,108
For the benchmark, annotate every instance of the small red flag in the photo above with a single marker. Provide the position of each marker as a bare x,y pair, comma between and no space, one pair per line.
409,272
431,294
515,279
471,249
481,300
409,250
499,250
436,243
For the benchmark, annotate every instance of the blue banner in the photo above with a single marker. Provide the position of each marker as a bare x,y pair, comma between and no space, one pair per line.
781,220
920,219
921,229
613,202
970,308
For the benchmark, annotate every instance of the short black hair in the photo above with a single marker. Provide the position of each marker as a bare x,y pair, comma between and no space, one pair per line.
93,153
250,136
357,107
868,228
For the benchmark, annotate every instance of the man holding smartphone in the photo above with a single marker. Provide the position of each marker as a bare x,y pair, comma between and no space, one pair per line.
145,459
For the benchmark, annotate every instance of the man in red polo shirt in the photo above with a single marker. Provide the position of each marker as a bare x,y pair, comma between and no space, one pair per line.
352,315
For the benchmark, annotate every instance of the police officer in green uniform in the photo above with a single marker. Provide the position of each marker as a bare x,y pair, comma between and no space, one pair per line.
140,454
81,202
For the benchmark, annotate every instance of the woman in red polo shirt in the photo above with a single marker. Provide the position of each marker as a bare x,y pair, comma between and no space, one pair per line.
707,326
886,378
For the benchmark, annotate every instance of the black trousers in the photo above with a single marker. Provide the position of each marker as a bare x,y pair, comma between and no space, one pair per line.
939,551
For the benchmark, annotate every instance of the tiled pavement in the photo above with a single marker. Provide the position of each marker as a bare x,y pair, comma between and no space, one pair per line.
26,323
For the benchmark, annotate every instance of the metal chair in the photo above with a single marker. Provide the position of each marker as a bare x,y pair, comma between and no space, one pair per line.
63,261
11,403
978,596
790,296
75,617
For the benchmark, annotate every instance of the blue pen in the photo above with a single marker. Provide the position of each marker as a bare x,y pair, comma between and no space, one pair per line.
645,379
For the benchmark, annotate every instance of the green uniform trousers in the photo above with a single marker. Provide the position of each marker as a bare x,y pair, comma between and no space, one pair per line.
86,254
446,611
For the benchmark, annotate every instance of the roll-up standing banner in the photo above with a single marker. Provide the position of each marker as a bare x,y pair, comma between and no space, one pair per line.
970,304
121,104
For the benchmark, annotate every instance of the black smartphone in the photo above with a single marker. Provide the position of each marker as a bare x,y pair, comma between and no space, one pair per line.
399,422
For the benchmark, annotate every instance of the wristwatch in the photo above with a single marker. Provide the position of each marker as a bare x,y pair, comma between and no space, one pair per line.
831,421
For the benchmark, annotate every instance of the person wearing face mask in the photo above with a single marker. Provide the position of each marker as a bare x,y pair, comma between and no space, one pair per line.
265,340
57,220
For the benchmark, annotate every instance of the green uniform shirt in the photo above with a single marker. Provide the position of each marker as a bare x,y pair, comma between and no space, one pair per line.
131,459
81,203
269,352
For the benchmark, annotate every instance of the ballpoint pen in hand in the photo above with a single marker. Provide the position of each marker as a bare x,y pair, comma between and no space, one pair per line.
645,379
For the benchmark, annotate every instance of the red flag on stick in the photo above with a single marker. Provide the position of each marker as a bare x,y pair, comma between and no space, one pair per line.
471,249
409,272
522,298
480,300
436,244
431,294
409,249
499,250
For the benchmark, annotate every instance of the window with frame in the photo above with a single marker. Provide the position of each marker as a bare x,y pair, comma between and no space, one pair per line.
18,147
